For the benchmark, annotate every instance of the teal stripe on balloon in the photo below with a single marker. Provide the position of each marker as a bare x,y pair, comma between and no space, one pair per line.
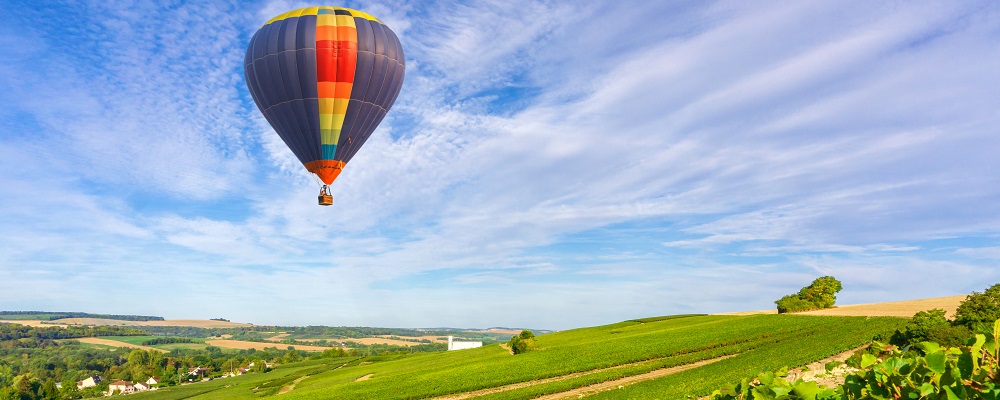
329,150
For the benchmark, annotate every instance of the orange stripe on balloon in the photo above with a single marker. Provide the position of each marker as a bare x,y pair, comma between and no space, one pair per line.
331,90
326,170
325,33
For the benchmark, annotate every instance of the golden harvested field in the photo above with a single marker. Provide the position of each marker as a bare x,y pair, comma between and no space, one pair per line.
904,308
197,323
243,345
894,309
115,343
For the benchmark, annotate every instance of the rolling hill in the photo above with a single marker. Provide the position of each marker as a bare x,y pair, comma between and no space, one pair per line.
701,352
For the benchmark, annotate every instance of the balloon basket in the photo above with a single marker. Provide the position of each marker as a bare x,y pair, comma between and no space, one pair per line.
325,198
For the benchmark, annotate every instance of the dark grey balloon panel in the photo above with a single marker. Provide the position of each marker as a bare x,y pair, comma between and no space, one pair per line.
281,70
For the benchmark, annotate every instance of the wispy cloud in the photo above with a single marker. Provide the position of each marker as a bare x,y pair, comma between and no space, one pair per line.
777,141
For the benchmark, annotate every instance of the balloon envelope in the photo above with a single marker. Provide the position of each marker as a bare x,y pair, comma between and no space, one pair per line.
324,77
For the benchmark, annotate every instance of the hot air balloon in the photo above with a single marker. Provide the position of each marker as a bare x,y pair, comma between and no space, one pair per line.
324,77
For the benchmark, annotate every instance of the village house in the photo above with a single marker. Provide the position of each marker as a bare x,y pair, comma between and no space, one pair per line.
121,387
91,381
197,371
152,381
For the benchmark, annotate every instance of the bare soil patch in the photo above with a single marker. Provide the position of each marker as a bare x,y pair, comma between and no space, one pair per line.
115,343
197,323
364,378
817,372
289,387
244,345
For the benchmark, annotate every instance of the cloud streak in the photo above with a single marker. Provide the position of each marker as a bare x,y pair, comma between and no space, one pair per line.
579,162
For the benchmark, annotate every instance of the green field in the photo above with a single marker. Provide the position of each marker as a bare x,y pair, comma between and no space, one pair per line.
592,355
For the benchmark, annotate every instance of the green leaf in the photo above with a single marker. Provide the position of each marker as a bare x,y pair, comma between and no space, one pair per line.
929,347
926,389
936,361
806,390
951,395
867,360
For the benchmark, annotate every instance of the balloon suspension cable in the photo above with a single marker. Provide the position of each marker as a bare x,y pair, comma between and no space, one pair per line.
325,198
319,182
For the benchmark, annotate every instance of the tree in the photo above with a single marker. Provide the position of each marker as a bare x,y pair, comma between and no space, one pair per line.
523,342
980,310
931,326
9,393
49,390
821,293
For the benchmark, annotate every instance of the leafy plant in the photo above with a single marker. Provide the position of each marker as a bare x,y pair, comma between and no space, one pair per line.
957,373
773,385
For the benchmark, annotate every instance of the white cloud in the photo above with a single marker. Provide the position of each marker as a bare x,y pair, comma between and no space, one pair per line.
776,142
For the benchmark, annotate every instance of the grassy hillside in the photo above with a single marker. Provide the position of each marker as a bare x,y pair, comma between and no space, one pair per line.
567,360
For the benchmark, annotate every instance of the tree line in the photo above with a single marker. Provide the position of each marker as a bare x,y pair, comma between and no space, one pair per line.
13,332
54,315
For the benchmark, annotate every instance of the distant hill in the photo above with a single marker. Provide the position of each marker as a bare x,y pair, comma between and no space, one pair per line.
54,315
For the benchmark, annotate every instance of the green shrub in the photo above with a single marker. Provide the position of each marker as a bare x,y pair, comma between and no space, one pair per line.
523,342
821,293
979,310
793,303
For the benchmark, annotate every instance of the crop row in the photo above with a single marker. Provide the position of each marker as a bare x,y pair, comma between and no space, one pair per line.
823,341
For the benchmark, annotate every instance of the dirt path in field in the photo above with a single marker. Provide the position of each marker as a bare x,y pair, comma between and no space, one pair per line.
592,388
816,371
288,388
364,378
628,380
115,343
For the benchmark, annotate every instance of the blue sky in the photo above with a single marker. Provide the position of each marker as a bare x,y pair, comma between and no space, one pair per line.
547,164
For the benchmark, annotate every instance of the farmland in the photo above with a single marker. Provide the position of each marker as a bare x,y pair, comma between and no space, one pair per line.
136,342
726,348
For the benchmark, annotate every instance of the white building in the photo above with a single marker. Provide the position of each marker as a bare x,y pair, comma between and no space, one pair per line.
91,381
121,387
453,345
